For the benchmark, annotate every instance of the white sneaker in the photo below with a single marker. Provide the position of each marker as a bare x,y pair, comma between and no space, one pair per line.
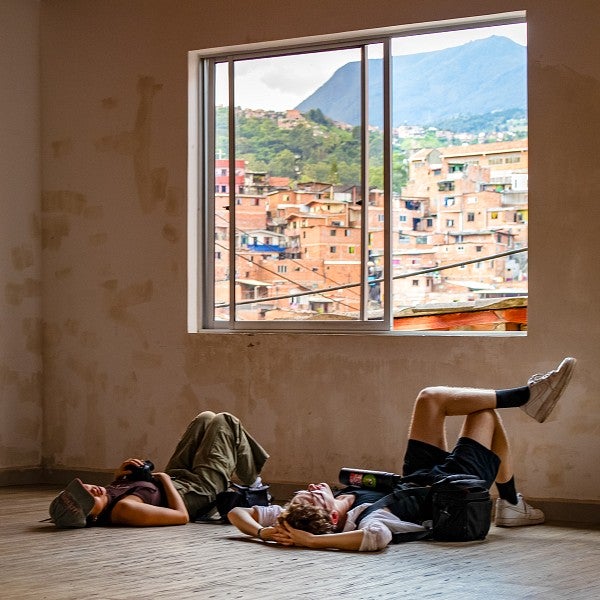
546,389
516,515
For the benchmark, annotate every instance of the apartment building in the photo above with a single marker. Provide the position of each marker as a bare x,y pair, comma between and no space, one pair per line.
461,205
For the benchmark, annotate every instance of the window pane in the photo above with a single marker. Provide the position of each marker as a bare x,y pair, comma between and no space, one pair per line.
461,169
376,204
298,182
221,197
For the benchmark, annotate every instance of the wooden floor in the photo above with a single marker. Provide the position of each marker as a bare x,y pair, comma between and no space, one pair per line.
206,561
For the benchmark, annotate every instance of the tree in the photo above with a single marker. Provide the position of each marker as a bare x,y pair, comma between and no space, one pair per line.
283,164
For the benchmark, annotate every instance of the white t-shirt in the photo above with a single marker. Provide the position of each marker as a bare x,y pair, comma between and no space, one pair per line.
377,527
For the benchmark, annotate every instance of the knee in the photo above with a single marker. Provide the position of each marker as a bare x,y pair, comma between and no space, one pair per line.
205,417
431,397
225,418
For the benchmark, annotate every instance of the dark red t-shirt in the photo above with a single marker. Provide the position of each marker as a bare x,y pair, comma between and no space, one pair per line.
148,491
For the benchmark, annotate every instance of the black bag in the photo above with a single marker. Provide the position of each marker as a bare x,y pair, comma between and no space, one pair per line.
456,508
241,495
461,509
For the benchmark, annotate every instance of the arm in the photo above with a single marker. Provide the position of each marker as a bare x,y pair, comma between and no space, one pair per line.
131,510
246,520
348,540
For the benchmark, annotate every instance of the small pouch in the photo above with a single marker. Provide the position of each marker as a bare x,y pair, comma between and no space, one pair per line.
242,495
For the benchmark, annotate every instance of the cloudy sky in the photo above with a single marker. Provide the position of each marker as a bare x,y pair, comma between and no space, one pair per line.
283,82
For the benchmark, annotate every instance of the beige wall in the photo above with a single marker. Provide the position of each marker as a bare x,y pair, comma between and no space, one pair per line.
121,375
20,251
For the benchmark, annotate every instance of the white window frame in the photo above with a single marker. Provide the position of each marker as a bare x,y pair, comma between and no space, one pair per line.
201,172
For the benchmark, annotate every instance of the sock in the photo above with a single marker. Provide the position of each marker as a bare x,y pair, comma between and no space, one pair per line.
507,491
512,397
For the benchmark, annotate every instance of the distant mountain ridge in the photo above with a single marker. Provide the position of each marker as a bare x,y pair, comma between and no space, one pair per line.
478,77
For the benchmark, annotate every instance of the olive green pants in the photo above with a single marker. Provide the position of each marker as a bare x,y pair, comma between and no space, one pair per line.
213,447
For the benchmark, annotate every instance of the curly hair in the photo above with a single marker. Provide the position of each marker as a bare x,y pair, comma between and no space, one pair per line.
307,517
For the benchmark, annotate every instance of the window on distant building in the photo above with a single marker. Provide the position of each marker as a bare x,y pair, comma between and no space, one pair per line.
361,160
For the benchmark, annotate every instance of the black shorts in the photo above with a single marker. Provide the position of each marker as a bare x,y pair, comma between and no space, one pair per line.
427,462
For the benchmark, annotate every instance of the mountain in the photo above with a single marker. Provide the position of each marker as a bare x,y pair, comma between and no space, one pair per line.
478,77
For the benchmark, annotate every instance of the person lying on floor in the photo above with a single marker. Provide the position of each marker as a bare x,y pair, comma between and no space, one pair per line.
318,518
213,447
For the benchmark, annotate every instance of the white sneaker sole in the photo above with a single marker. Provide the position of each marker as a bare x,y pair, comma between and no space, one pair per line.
517,522
542,412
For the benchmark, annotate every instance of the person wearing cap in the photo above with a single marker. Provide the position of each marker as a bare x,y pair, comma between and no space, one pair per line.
316,517
213,447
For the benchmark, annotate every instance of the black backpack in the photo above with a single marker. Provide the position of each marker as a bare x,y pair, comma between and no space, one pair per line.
457,508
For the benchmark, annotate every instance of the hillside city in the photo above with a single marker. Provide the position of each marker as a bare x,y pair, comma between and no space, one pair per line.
460,203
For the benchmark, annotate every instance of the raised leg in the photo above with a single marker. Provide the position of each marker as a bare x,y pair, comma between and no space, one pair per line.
434,404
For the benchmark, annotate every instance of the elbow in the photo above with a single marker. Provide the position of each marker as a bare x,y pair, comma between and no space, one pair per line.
234,514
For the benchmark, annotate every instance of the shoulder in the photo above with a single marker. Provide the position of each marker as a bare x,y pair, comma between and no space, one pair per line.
267,515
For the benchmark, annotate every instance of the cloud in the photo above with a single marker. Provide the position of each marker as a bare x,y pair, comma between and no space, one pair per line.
283,82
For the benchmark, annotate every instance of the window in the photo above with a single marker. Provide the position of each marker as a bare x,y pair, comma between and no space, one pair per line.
446,186
301,160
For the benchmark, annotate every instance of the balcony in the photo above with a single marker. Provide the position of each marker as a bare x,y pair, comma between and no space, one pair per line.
266,248
510,198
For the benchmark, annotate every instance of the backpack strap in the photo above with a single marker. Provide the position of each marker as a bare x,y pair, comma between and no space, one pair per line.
396,496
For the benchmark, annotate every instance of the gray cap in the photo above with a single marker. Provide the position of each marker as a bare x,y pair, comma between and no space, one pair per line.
71,507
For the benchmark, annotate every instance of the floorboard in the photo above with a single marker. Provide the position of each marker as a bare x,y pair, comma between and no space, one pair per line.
212,561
